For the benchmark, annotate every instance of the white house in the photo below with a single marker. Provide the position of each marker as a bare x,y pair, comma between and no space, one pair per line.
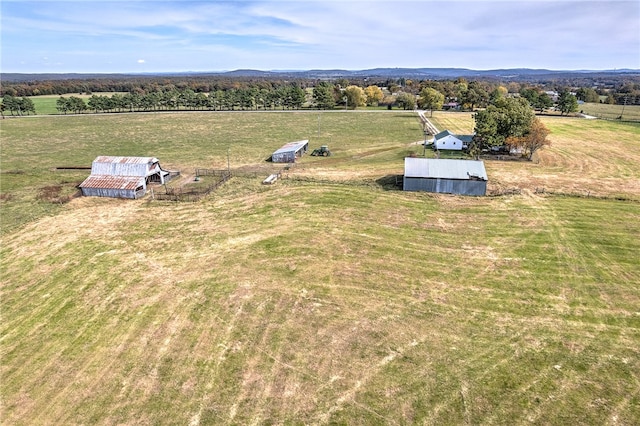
449,141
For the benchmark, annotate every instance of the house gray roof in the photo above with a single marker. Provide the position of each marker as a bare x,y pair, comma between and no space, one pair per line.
445,133
444,168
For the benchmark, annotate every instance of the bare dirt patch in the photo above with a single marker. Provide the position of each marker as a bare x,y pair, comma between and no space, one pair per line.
58,194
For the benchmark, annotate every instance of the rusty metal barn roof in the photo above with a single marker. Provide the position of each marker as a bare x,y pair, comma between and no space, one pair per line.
113,182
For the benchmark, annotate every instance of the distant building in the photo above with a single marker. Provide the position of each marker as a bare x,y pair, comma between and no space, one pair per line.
463,177
122,177
553,95
449,141
289,152
451,106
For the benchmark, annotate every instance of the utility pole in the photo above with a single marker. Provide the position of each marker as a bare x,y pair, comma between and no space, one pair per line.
623,105
424,152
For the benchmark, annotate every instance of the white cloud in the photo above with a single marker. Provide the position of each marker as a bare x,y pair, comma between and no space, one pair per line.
206,35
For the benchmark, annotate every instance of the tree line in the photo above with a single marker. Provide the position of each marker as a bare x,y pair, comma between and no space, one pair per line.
285,97
17,105
615,90
458,94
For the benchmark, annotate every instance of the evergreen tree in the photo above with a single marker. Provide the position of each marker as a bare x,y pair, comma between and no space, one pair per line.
323,95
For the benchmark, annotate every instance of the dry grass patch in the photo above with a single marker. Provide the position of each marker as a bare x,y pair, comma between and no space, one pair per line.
585,157
323,301
456,122
319,303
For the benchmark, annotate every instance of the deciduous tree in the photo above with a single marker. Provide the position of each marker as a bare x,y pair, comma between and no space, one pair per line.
587,94
406,100
374,95
506,118
567,103
355,96
430,99
531,142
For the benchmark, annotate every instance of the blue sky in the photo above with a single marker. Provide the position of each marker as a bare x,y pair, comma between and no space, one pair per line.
204,35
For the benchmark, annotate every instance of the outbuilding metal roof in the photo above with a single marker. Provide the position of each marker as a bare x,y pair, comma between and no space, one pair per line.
291,147
444,168
113,182
125,160
125,166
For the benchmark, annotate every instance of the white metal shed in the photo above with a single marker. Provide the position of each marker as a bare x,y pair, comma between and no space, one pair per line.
289,152
464,177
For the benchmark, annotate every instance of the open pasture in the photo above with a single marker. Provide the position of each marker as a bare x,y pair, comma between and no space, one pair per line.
586,157
611,112
327,300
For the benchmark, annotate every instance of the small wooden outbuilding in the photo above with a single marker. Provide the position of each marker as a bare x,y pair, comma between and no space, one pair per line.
289,152
463,177
122,177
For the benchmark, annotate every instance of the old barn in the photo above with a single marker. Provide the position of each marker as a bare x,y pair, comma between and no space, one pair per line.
289,152
464,177
122,177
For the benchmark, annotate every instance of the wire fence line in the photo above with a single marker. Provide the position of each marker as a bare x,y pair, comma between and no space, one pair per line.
192,194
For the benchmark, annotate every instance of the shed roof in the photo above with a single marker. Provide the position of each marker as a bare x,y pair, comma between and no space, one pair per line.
113,182
444,168
292,147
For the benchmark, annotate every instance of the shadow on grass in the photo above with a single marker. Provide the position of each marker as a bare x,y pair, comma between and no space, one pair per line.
390,182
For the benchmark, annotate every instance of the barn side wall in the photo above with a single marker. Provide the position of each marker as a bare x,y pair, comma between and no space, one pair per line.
284,157
447,186
110,192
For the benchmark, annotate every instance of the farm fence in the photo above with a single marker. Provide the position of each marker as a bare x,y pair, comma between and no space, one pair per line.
179,194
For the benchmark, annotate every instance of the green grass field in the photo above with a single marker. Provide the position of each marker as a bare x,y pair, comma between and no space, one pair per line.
46,104
327,298
612,112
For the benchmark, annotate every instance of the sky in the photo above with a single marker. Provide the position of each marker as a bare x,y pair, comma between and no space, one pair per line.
141,36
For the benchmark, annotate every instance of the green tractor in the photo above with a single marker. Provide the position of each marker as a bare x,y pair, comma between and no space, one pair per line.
323,151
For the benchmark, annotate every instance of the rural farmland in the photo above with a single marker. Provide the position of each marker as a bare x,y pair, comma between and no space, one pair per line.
330,297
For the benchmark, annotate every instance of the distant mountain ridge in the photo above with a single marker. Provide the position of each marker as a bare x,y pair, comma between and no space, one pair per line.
423,73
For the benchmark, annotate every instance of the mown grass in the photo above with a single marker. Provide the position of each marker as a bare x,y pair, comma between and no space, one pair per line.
261,306
456,122
611,112
325,300
33,147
